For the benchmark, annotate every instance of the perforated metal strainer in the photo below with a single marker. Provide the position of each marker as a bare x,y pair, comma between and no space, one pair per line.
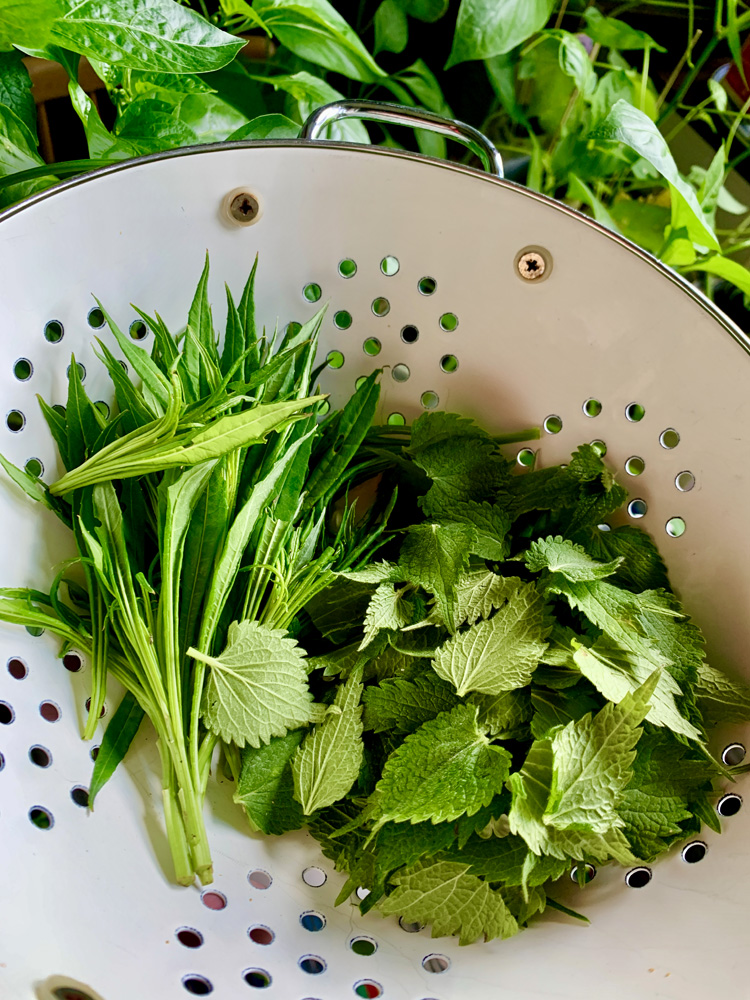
432,272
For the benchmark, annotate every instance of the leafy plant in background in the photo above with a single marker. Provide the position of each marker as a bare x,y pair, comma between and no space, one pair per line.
562,86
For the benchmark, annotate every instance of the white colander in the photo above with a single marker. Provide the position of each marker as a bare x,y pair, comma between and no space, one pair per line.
87,905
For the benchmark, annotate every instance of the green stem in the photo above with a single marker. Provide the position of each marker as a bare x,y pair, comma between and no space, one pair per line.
690,78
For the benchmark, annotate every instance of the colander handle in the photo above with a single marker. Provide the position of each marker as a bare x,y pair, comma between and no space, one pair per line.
399,114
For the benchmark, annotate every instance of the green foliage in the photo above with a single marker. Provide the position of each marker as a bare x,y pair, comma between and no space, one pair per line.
446,768
257,687
454,902
328,761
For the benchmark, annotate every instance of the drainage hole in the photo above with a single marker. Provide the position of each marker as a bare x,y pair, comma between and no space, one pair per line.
733,754
637,878
363,945
23,369
259,979
314,876
259,879
41,817
189,937
729,804
313,965
197,985
312,921
53,331
40,756
261,934
15,421
694,852
17,668
436,963
80,795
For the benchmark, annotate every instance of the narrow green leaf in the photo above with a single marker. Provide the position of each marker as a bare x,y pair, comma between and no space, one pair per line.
84,423
139,361
35,489
227,566
340,441
205,537
116,741
130,401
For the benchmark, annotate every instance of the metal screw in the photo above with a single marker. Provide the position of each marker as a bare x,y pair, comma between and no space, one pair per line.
531,265
244,208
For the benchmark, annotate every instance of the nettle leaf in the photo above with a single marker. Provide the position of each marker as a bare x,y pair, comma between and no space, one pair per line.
559,555
156,35
626,124
500,654
265,786
402,706
531,788
490,524
388,608
656,802
642,567
555,709
441,893
257,687
446,768
720,698
487,28
327,764
617,672
382,572
651,624
434,556
503,713
480,592
509,860
593,761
